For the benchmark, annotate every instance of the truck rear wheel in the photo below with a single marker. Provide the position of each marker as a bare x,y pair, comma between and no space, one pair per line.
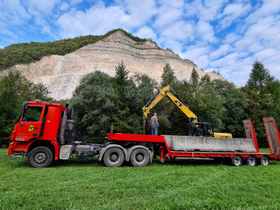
140,157
113,157
236,161
40,157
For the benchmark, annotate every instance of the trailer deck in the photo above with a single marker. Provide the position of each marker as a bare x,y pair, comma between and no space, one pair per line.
168,153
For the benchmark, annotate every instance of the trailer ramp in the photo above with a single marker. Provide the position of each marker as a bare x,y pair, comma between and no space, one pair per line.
273,136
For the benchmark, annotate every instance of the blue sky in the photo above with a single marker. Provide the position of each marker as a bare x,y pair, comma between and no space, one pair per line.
222,35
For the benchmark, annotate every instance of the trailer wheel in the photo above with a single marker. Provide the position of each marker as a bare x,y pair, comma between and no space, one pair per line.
236,161
139,157
252,161
264,161
113,157
40,157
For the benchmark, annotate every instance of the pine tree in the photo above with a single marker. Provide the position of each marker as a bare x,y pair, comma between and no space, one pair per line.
168,76
194,80
260,99
121,75
259,77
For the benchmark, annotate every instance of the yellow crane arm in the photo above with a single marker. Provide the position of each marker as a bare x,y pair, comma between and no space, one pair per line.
147,108
186,110
165,91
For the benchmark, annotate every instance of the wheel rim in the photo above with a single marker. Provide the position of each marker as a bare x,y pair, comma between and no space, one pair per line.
237,161
252,161
114,157
265,162
40,157
140,157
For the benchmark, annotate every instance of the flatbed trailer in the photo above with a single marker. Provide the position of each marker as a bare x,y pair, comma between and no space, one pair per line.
237,157
39,136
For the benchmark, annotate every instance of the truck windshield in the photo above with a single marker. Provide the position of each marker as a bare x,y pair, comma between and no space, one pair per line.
32,113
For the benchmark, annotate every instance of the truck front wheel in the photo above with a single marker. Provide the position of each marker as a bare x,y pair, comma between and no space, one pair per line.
113,157
40,157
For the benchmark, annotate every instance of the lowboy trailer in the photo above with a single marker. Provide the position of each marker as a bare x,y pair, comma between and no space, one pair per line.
43,134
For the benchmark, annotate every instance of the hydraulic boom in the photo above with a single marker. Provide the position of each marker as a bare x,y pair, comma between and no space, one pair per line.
197,128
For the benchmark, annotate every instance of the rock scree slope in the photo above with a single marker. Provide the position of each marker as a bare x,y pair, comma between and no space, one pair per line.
61,74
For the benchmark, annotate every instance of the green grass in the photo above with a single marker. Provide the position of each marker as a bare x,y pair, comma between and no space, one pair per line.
181,185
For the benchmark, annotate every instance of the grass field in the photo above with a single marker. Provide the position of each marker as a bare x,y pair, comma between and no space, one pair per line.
181,185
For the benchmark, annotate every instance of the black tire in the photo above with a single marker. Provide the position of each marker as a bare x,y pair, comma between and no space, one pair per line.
264,161
236,161
252,161
40,157
139,157
113,157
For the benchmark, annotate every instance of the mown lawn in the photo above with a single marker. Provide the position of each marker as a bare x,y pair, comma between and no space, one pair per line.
182,185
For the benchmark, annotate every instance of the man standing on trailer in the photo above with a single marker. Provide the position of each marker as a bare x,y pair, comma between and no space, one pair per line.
154,124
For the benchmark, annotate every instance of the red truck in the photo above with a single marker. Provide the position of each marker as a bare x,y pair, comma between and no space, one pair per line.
43,134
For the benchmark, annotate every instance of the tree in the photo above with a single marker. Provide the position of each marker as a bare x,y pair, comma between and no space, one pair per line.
194,80
101,102
168,76
259,77
121,77
260,99
15,89
94,103
235,105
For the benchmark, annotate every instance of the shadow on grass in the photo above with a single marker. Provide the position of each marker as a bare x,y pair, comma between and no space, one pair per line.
156,162
182,162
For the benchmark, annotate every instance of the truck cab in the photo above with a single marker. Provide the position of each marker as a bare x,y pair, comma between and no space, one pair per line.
36,134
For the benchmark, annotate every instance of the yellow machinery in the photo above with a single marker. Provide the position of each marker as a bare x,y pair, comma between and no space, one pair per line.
197,128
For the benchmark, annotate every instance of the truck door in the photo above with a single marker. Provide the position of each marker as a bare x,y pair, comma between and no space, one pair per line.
30,124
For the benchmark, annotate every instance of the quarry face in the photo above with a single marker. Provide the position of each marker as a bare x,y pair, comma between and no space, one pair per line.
62,74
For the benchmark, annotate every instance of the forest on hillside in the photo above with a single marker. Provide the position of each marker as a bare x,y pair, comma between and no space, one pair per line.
102,102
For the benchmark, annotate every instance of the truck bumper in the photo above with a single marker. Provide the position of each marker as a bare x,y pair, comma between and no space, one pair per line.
17,148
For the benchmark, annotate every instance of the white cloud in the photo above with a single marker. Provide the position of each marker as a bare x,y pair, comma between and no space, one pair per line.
205,11
178,31
12,13
220,52
205,31
232,12
64,6
96,20
99,18
138,12
168,12
268,8
37,7
198,54
146,32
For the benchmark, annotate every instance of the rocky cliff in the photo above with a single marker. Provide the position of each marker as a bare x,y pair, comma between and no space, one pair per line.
61,74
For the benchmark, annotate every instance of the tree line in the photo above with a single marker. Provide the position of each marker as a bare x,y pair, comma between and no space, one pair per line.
102,103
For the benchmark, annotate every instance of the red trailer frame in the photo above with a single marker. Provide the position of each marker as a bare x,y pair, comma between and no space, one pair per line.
166,153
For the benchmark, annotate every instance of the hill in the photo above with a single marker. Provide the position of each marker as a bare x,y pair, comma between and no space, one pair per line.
61,64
